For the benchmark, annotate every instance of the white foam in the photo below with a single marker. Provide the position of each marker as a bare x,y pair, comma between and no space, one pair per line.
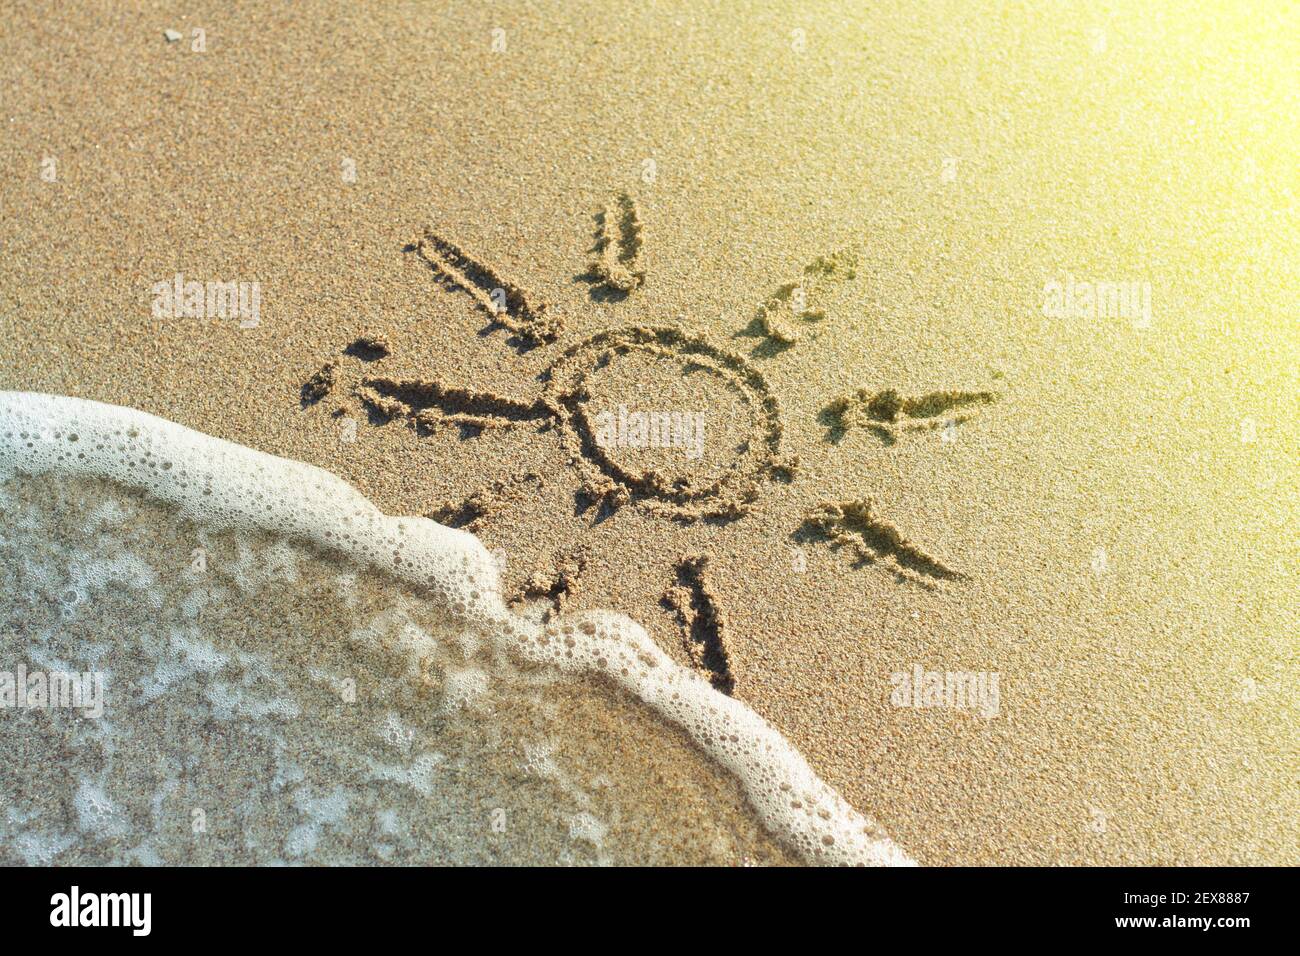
465,688
96,813
37,848
420,774
220,484
321,811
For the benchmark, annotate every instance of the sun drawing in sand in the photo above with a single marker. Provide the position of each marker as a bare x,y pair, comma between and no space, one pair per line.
614,473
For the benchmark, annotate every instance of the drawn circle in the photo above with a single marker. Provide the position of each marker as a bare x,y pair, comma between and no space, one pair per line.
610,474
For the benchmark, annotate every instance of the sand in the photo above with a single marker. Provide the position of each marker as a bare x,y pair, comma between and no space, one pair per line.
1118,520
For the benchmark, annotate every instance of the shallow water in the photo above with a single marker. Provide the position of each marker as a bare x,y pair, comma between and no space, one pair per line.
267,703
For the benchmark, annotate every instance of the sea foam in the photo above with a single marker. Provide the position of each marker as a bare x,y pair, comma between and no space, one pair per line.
221,485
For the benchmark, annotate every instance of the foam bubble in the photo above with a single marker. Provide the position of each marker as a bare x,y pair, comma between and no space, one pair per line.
96,813
224,485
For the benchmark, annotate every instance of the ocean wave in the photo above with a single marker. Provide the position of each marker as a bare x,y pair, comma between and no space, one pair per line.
224,486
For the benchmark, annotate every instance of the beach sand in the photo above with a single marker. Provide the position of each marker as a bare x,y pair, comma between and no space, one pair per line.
1110,529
